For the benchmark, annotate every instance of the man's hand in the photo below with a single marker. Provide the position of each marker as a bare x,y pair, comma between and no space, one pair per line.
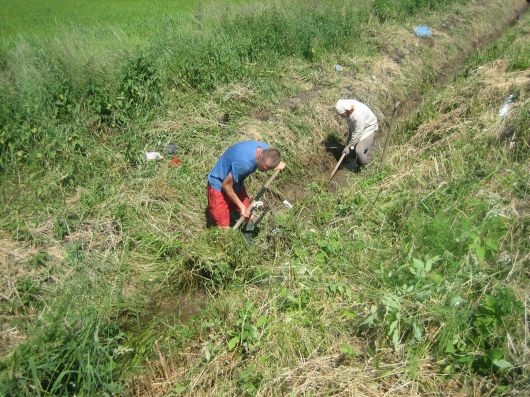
346,150
280,166
245,211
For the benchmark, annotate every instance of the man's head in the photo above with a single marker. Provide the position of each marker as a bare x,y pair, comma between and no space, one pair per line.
268,159
344,107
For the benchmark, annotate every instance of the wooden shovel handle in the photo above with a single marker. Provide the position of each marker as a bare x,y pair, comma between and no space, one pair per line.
258,195
389,134
337,166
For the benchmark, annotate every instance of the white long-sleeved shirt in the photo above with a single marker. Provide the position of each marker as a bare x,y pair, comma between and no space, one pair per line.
361,123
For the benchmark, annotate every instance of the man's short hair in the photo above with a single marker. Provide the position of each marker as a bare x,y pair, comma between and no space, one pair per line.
272,157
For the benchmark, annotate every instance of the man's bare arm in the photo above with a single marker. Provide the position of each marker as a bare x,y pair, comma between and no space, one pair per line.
228,188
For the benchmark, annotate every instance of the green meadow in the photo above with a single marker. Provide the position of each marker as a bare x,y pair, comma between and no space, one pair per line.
53,18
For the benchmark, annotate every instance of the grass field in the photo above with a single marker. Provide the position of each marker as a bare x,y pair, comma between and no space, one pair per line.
406,280
33,19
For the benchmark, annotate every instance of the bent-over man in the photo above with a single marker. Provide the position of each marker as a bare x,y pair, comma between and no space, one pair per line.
226,191
362,125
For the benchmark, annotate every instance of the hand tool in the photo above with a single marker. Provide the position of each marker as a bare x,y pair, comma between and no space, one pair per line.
258,196
389,135
337,166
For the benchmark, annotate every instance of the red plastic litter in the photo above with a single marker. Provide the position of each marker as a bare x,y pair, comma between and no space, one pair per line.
174,162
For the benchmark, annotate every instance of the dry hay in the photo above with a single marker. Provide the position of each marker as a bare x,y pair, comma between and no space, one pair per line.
12,252
14,267
206,382
10,337
168,202
160,190
439,128
491,83
498,83
251,130
496,77
102,235
158,376
161,376
14,258
235,93
386,73
334,375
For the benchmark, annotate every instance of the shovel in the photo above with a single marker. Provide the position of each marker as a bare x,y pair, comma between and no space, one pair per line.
337,166
389,134
251,227
258,196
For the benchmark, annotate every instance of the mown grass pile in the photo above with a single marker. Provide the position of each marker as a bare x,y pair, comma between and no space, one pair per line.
409,280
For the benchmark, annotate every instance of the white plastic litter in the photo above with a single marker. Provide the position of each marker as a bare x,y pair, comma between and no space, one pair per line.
257,204
153,156
287,204
338,68
505,108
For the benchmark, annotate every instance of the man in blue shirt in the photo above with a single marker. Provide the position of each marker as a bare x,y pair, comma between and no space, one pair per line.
226,191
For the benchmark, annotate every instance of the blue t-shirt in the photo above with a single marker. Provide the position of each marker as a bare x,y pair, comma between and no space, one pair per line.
238,159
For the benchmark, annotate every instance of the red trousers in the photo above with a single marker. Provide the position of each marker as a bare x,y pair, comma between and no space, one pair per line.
219,205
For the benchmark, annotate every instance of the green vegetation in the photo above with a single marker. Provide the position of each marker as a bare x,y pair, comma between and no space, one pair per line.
33,19
411,279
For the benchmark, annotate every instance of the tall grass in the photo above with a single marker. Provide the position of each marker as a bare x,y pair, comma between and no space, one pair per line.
74,349
390,10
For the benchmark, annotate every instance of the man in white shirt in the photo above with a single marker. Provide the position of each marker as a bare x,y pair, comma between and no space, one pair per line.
362,125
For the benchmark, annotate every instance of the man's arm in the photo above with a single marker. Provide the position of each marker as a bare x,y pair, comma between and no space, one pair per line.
355,132
228,188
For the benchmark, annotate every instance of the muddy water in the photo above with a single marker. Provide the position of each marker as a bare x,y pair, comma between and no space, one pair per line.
173,311
166,311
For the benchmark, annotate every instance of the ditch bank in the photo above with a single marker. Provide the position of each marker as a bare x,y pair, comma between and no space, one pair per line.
406,66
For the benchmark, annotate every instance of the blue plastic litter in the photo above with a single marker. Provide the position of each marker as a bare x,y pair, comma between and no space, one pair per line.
422,31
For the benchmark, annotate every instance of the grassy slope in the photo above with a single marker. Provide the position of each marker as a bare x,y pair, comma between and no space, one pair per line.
132,234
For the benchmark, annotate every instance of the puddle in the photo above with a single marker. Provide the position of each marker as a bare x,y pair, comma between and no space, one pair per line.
181,309
166,312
